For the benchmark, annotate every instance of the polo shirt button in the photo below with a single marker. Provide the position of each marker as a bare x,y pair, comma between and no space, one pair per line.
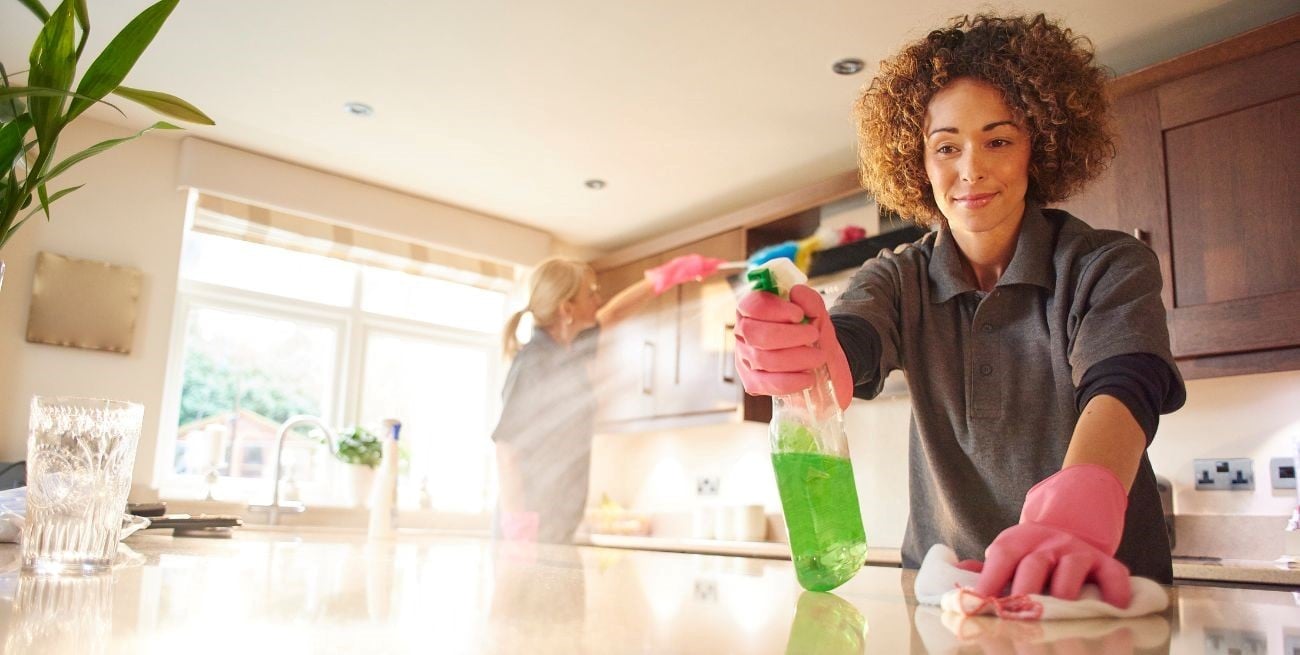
985,369
987,327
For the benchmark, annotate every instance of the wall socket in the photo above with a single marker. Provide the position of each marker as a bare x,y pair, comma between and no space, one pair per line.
707,485
1224,474
1282,472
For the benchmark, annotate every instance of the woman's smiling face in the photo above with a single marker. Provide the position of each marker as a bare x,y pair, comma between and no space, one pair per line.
976,158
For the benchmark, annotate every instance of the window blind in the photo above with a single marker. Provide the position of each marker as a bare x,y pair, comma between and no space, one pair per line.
233,219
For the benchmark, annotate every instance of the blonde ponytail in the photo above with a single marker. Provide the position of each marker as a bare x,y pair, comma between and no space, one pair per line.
554,282
510,340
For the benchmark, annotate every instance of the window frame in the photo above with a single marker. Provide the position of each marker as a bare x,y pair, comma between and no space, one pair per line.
352,326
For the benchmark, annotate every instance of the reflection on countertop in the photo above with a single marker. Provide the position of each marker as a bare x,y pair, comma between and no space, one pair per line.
280,591
1204,569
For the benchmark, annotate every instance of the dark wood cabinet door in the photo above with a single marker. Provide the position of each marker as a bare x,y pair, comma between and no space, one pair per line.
626,366
1231,138
703,377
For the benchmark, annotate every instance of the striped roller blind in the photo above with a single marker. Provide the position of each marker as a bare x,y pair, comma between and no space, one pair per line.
237,220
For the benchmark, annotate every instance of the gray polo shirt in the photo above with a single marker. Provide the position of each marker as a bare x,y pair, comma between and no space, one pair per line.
992,377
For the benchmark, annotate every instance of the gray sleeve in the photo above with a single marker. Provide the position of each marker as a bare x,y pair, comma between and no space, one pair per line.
874,295
519,403
1117,309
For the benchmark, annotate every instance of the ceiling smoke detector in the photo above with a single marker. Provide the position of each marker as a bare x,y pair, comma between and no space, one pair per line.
358,109
848,66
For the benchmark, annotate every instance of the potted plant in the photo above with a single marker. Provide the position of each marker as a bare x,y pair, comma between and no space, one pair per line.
362,450
34,112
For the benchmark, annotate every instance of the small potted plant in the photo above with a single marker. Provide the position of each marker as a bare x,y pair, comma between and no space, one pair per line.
362,450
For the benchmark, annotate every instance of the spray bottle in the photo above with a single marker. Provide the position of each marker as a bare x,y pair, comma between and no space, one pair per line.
383,498
810,454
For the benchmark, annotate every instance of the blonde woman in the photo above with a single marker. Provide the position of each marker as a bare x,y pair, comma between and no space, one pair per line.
543,439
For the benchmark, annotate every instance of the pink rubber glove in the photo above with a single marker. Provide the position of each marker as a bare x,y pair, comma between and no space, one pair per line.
1069,530
776,351
519,526
681,269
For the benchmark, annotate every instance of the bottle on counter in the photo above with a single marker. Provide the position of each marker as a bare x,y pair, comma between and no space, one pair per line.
383,497
810,454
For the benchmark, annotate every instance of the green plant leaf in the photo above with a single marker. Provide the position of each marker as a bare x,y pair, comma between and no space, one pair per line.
64,165
53,65
83,19
11,141
37,8
121,54
44,195
11,92
12,192
11,108
46,201
165,104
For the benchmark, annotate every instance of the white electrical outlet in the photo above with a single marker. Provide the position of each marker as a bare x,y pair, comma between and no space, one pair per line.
707,485
1236,474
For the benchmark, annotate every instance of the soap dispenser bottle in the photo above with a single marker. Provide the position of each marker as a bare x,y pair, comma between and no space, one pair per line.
383,498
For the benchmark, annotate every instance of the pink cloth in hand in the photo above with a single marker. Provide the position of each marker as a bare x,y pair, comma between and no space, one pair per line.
681,269
777,351
1069,530
519,526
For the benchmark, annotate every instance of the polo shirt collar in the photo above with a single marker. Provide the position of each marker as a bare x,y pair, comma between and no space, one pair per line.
543,338
1031,263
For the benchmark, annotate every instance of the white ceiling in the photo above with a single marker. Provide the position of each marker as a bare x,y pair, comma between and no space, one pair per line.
686,109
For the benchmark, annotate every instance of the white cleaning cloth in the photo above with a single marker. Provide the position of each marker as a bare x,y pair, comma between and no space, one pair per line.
940,582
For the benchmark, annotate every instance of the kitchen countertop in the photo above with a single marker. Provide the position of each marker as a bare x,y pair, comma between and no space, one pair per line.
1198,569
336,592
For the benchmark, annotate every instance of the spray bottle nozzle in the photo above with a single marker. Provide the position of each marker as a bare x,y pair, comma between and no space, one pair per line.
761,279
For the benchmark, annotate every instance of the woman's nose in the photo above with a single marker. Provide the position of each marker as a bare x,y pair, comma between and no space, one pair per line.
971,166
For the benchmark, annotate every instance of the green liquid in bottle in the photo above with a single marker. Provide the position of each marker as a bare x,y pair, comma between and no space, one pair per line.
820,502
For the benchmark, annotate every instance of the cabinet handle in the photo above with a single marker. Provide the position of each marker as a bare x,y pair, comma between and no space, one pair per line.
728,355
647,368
1142,235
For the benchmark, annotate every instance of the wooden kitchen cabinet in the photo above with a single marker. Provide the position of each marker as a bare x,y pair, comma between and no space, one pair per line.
1207,172
672,361
630,352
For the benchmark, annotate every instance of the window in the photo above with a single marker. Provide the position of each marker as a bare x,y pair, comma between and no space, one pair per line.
438,389
266,333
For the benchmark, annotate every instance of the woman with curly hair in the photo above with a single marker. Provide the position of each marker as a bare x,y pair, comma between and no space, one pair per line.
1035,347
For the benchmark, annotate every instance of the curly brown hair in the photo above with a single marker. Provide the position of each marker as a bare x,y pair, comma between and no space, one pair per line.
1047,78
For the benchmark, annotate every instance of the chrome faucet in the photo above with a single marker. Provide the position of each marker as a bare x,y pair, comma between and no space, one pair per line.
293,507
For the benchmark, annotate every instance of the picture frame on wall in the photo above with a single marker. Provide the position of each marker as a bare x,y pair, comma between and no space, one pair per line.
81,303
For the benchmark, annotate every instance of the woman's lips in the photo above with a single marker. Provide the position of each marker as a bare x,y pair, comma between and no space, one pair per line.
974,200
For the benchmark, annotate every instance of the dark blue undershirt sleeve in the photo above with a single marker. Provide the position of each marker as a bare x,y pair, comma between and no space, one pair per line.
861,346
1142,381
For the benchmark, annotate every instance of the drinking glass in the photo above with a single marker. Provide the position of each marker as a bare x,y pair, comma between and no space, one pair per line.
80,452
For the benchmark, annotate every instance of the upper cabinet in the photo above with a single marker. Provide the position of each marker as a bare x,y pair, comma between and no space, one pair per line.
671,363
1207,173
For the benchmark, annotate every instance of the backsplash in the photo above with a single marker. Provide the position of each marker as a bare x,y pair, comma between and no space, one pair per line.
1254,416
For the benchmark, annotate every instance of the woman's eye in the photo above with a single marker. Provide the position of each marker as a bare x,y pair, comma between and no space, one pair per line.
999,143
946,149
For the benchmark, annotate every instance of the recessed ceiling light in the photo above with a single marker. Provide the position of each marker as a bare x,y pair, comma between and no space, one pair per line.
595,185
358,108
848,66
